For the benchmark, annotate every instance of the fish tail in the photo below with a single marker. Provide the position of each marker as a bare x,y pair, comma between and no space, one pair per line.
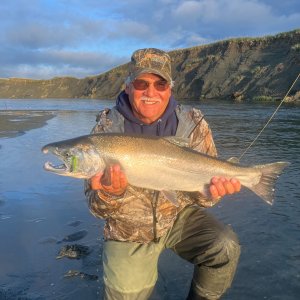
266,186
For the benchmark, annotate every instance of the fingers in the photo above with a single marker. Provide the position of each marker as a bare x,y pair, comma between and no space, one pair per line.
220,186
123,181
229,188
115,177
95,182
113,180
214,192
118,178
236,184
106,177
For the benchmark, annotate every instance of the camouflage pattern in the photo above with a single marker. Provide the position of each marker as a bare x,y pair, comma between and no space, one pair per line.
150,60
142,215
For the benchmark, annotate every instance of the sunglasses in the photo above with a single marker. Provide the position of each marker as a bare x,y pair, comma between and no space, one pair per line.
141,85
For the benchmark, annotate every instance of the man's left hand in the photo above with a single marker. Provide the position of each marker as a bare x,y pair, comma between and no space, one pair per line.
221,186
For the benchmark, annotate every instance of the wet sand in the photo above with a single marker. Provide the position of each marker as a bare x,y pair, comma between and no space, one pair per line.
14,123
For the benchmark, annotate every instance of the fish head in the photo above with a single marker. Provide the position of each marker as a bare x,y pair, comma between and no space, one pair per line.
80,159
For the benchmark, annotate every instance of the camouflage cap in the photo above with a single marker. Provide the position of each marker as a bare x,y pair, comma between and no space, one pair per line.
150,60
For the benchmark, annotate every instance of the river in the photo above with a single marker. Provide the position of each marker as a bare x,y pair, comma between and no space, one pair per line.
38,209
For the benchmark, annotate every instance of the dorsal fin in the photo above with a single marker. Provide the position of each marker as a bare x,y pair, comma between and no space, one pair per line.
233,160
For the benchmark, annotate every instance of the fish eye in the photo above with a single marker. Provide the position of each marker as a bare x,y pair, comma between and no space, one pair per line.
67,154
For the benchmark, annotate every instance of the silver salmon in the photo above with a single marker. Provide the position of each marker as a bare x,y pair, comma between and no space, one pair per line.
158,163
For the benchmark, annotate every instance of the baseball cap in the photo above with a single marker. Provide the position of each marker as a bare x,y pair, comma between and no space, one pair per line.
150,60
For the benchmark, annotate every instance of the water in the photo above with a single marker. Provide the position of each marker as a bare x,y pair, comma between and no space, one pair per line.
37,209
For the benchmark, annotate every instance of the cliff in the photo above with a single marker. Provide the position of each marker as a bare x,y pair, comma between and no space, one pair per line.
243,68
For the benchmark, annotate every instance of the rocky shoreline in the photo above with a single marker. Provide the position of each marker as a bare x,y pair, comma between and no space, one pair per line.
240,69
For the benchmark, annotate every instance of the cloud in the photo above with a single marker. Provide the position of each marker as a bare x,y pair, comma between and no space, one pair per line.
77,37
128,30
219,19
41,34
178,22
200,11
47,64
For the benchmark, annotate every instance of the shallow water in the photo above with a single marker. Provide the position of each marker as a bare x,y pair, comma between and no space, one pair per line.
38,209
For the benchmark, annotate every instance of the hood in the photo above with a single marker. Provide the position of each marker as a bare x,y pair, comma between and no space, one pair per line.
166,125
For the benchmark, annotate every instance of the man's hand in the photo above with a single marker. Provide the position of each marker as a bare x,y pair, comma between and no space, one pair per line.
221,186
112,181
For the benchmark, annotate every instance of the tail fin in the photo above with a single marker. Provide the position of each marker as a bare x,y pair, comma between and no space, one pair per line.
266,186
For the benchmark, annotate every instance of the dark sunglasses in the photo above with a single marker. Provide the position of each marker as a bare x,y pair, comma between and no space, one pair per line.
141,85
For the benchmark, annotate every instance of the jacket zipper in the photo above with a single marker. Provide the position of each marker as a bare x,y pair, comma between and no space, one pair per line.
154,206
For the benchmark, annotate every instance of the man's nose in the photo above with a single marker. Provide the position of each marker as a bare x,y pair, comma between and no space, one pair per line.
150,91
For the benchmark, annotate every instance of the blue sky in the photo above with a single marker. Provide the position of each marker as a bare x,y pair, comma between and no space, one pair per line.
42,39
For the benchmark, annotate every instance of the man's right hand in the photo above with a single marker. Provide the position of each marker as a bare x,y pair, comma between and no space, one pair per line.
112,181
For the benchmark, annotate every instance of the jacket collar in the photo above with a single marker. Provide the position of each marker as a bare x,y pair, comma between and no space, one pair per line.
188,118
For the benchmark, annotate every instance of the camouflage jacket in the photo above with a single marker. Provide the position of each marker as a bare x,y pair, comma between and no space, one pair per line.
143,215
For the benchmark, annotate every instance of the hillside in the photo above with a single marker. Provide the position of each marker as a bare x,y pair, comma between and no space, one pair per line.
243,68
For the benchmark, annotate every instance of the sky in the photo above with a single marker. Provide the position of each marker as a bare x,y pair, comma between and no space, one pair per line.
42,39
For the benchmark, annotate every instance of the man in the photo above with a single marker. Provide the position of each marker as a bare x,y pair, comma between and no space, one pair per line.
141,223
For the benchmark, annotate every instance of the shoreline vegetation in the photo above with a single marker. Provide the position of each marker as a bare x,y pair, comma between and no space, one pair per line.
240,69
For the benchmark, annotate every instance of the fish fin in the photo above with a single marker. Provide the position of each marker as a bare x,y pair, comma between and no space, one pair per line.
205,200
171,196
179,141
266,186
233,160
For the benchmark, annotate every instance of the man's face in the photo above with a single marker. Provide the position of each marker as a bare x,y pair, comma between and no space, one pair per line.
149,104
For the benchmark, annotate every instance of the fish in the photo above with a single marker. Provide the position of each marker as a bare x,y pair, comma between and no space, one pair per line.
164,164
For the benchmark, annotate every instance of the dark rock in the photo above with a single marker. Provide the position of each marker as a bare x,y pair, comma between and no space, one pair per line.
82,275
237,96
74,251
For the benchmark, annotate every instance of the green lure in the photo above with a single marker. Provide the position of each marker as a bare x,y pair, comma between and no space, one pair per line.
74,163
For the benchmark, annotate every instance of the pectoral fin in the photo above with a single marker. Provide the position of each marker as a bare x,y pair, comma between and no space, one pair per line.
171,196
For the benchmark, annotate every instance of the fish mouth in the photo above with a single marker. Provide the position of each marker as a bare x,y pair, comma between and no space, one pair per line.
62,168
